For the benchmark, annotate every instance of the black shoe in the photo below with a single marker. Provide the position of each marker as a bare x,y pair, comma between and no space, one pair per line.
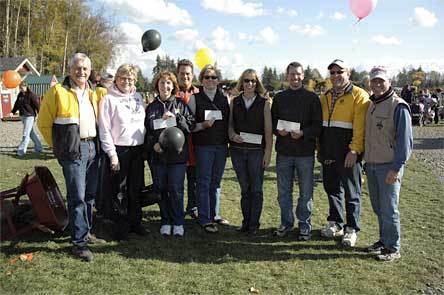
140,230
193,213
252,232
376,248
92,239
83,253
242,229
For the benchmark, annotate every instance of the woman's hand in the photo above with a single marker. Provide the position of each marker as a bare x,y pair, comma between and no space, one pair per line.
238,139
115,165
168,115
157,148
208,123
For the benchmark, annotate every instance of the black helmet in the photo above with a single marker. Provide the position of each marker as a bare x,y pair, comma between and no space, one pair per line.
171,140
151,40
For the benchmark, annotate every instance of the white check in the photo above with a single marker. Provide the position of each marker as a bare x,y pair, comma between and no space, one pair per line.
213,114
288,126
251,137
161,123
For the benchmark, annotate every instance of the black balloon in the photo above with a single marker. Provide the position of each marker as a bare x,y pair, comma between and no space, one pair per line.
151,40
171,140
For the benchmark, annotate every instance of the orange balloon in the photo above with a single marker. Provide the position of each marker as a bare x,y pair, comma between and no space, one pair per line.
11,79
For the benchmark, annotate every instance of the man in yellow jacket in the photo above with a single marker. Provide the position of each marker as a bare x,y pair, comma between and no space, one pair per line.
68,123
341,147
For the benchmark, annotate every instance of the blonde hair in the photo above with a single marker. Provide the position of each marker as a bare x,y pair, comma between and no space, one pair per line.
166,75
127,69
259,87
206,68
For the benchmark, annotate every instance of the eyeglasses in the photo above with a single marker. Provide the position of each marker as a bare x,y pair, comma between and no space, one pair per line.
250,80
336,72
129,79
210,77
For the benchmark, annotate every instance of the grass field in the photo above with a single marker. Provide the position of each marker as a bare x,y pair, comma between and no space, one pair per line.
230,263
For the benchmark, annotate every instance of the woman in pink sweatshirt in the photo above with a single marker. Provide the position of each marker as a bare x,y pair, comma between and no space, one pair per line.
122,132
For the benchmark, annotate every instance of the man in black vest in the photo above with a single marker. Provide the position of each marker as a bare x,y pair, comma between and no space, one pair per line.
297,120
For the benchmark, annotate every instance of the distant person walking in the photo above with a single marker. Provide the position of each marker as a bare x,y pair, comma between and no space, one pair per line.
27,104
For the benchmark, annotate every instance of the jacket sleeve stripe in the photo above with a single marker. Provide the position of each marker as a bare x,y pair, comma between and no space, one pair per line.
340,124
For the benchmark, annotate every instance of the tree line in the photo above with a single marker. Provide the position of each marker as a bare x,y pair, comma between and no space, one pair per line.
48,32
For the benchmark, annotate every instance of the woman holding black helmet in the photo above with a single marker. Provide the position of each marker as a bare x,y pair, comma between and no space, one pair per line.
169,160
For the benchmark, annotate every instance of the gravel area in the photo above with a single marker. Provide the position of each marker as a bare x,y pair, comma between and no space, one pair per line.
428,143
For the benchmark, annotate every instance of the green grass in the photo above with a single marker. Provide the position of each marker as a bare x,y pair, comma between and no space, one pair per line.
230,263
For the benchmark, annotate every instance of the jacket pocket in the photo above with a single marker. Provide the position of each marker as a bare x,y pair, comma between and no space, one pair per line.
66,140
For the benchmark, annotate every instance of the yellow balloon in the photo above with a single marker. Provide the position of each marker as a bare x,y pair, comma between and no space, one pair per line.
203,57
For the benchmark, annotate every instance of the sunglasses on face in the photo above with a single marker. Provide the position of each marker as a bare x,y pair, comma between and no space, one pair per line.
210,77
249,80
336,72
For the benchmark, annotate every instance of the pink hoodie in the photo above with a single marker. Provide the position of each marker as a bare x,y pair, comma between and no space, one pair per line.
121,120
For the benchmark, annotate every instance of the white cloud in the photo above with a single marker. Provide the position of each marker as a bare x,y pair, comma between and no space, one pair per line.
157,11
131,33
248,9
307,29
232,66
338,16
221,39
268,36
290,12
384,40
423,17
186,35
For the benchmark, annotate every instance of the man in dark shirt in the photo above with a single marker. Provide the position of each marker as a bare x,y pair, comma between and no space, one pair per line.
297,120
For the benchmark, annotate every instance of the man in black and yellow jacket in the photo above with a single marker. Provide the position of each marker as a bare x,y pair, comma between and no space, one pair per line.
68,123
341,146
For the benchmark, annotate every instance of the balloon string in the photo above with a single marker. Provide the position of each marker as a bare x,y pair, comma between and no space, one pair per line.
359,19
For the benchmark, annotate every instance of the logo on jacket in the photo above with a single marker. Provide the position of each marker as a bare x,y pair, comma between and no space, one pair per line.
379,125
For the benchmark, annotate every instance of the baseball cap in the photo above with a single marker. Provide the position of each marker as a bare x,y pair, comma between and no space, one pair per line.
379,72
338,62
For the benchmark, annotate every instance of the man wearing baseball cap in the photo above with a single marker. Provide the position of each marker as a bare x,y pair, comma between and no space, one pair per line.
388,145
341,146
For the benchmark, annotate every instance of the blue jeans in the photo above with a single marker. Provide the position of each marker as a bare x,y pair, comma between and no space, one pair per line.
286,168
81,186
341,184
28,132
210,165
248,164
385,201
169,178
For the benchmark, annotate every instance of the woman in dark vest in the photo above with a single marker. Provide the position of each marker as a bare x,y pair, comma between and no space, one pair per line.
251,141
210,138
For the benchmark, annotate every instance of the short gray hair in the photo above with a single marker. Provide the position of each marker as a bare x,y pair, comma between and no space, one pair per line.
79,56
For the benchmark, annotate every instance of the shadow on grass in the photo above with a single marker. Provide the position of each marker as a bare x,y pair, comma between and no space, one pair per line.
44,155
196,246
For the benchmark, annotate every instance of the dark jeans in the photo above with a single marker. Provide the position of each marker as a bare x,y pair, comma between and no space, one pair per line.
343,183
81,187
248,164
126,186
210,167
169,178
191,188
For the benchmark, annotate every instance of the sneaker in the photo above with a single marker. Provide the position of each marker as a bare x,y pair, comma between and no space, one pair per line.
282,231
83,253
350,237
332,230
92,239
210,228
178,230
304,235
376,248
194,214
222,221
165,230
388,256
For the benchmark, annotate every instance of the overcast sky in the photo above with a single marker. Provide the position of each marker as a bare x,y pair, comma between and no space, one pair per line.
251,34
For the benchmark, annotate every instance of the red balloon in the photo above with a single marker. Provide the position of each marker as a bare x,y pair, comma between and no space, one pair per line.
11,79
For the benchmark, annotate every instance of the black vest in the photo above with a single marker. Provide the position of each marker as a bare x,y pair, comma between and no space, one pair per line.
218,133
251,120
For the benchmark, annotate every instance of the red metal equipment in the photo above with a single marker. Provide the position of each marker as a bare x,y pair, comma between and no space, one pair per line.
48,209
